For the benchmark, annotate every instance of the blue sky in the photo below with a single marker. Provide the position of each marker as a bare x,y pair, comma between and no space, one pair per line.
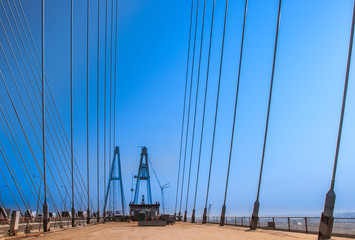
151,68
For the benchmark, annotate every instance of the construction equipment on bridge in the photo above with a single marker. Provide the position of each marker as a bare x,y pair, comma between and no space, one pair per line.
161,188
148,214
115,175
150,210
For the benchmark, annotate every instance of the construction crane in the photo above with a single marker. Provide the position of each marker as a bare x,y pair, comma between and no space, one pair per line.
162,187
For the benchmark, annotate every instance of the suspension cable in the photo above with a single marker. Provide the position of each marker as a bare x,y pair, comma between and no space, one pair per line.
110,114
14,137
204,109
29,77
17,45
18,151
71,113
17,65
14,178
26,111
98,119
344,99
9,166
270,98
87,112
114,106
28,142
253,223
327,219
196,100
23,78
78,173
45,204
217,102
26,53
188,111
12,194
183,111
234,116
105,91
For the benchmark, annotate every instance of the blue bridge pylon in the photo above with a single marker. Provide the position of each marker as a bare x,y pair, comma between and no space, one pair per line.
115,169
143,174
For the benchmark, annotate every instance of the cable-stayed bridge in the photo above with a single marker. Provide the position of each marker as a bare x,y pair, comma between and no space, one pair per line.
39,169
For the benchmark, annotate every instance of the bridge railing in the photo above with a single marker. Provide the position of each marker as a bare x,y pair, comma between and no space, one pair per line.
342,226
36,223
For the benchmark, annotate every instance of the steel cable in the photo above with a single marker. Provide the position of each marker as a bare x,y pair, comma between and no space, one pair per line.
183,111
216,111
29,77
11,169
114,106
71,115
110,104
188,111
87,113
19,152
14,178
204,111
327,219
105,91
78,173
98,119
24,132
196,100
27,56
20,149
12,194
344,100
234,116
17,45
45,205
25,84
256,204
22,104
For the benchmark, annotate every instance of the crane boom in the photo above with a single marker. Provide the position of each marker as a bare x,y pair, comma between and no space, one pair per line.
162,187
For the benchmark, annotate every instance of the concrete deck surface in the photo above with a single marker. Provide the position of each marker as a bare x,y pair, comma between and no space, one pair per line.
179,231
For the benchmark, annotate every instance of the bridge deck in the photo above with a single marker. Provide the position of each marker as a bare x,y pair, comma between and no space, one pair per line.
178,231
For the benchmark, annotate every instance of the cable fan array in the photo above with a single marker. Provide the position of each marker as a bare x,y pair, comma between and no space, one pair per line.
37,151
326,224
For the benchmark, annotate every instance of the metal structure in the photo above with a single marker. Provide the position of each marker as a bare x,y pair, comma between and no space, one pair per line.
45,204
327,219
216,113
97,114
115,175
50,136
162,187
345,227
223,213
87,116
71,116
150,210
34,141
143,174
255,214
193,217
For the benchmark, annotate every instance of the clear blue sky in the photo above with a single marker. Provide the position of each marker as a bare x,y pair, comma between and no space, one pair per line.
151,65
